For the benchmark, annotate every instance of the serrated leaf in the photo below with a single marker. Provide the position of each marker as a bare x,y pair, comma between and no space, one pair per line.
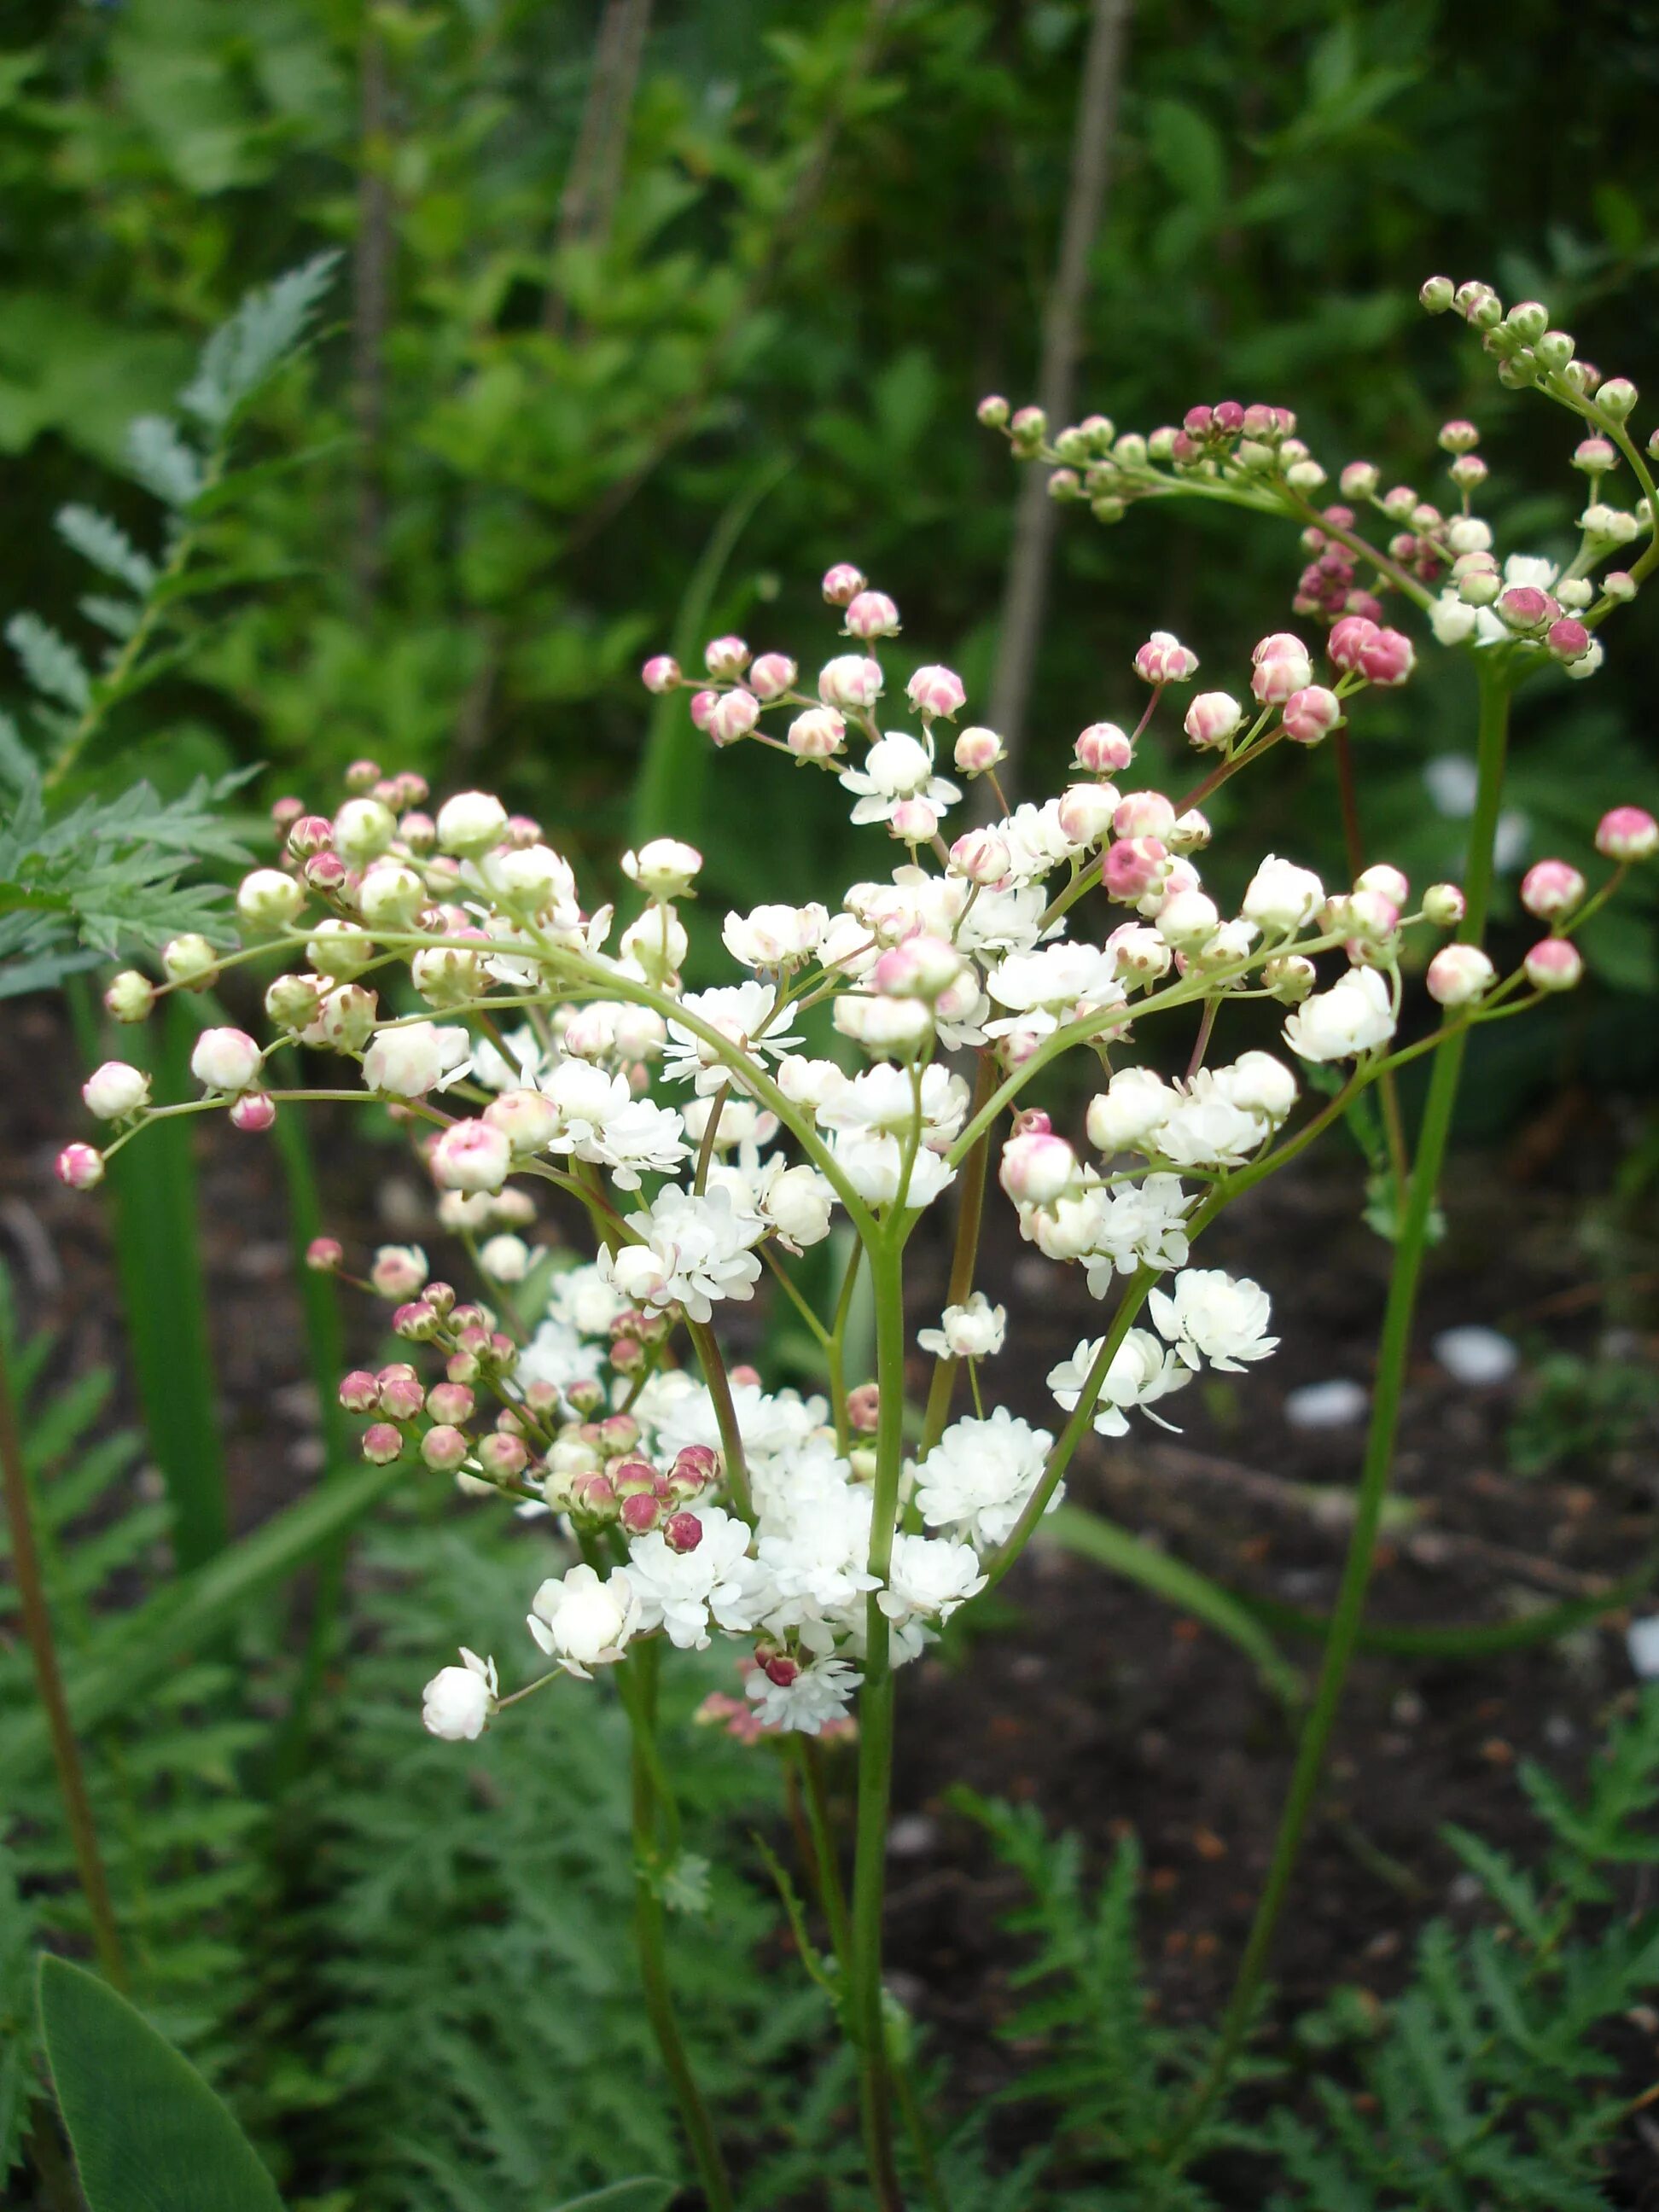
107,546
265,331
148,2133
162,461
51,662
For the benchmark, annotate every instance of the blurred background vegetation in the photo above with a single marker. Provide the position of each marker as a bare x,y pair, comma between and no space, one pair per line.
644,315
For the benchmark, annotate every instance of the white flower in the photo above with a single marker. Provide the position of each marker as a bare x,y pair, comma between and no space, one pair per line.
882,1026
931,1576
1037,843
815,1561
226,1060
974,1331
1142,1225
681,1591
1450,620
1206,1129
1131,1111
1282,897
739,1012
409,1061
897,767
693,1250
978,1475
1352,1017
471,822
665,868
1207,1313
775,936
1059,976
885,1099
874,1165
506,1258
820,1694
457,1701
583,1622
1259,1084
797,1201
640,1139
1140,1372
583,1300
558,1355
810,1083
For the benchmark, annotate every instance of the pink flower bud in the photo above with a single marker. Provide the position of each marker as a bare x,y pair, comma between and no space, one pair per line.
992,410
416,1321
772,676
871,614
1132,866
1164,660
703,704
503,1456
79,1167
360,1391
1143,814
851,681
818,734
726,656
864,1409
115,1090
1103,750
311,834
443,1449
1086,811
1212,718
981,855
843,584
1312,713
1524,606
451,1402
1555,963
1348,640
382,1443
640,1512
526,1118
1359,480
660,673
1281,673
779,1667
977,749
1444,905
1459,975
914,821
324,1255
919,967
1550,888
225,1060
1394,886
1627,833
696,1467
1568,639
328,873
1388,658
471,1156
682,1532
253,1113
1036,1168
936,690
735,714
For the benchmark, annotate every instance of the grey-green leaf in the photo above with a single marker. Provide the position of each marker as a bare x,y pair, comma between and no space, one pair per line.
647,2194
148,2133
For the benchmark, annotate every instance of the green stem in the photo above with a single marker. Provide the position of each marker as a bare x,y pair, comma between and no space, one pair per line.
836,1349
637,1680
876,1718
1393,1351
970,1214
707,1350
49,1681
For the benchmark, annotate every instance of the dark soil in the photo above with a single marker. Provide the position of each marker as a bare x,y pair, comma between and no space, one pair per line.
1094,1700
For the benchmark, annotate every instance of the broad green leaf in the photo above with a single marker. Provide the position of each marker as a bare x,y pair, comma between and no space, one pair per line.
148,2133
647,2194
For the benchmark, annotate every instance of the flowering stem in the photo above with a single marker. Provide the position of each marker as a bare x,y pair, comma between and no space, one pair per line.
36,1629
836,1349
725,1414
637,1680
1354,839
876,1705
1393,1351
970,1214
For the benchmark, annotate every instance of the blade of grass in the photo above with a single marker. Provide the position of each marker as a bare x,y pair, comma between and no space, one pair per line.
158,1256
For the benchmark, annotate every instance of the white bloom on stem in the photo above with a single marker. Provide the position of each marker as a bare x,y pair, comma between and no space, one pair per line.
557,1354
1259,1084
1059,977
1207,1128
1141,1371
796,1201
408,1061
980,1475
1141,1225
583,1300
1129,1114
897,767
929,1577
692,1251
874,1164
114,1089
457,1702
886,1099
1281,897
975,1330
815,1560
1208,1315
740,1012
775,936
816,1696
1354,1016
226,1060
583,1622
682,1591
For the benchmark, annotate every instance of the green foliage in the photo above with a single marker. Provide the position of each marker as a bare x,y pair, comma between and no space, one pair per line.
1579,1411
148,2133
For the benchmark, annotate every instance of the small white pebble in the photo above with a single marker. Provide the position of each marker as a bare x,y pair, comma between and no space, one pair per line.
1337,1404
1642,1642
1477,1356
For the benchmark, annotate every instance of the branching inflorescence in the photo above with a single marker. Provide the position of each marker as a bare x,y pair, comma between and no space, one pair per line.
526,1040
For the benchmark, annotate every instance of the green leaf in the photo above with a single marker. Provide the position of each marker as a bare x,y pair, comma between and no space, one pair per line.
106,545
646,2194
265,331
148,2133
52,664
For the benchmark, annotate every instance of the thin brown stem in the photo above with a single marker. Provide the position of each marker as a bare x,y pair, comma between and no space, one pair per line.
970,1214
49,1682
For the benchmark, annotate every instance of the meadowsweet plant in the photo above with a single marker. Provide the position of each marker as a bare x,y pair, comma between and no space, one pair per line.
865,1062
